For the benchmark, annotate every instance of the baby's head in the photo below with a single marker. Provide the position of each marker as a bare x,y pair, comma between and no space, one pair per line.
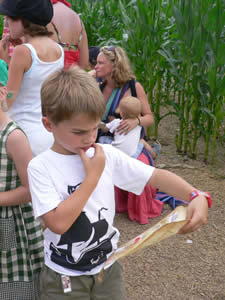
69,93
130,107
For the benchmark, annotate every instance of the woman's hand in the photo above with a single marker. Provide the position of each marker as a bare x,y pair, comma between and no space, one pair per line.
4,49
127,125
16,42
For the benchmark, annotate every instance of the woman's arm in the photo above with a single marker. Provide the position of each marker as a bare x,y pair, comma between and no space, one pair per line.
19,64
146,118
19,151
83,48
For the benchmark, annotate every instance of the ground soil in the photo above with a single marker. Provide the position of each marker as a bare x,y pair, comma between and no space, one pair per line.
183,267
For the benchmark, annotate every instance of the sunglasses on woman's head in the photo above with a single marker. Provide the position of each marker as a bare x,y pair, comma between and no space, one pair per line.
109,48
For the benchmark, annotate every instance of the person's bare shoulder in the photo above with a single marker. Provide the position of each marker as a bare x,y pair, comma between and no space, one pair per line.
21,56
139,87
17,144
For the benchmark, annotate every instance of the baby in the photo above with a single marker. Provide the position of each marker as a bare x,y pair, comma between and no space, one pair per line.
130,143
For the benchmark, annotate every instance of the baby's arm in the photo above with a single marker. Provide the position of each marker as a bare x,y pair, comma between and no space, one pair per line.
174,185
61,218
19,151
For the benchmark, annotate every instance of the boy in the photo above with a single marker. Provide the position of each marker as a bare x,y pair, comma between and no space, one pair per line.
72,188
130,143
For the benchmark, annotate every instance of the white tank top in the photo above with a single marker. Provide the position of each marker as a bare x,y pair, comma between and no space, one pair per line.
26,110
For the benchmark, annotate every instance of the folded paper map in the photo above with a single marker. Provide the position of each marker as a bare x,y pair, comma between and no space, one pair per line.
167,227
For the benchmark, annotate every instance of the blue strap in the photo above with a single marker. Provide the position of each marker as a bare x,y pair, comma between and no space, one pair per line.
172,201
115,102
109,104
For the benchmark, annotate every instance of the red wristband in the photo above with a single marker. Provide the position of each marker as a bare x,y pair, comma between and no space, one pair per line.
197,193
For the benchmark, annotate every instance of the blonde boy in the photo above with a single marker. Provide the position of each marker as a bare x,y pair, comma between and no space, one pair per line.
72,188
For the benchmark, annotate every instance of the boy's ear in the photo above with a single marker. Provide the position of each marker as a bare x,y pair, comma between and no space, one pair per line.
47,124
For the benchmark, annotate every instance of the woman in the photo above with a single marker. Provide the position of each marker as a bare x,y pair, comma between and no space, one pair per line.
30,65
68,30
70,33
114,68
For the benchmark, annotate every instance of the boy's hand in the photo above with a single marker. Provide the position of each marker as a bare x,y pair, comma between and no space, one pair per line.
94,166
197,213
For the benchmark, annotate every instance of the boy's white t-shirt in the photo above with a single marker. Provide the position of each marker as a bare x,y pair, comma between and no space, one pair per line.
128,143
53,177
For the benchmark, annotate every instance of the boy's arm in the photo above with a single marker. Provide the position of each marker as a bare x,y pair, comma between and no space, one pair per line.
174,185
19,151
60,219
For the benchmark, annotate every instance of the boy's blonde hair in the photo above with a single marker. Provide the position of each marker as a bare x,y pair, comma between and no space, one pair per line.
130,107
67,93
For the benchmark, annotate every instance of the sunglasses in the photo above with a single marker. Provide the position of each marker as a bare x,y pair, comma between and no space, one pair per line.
109,48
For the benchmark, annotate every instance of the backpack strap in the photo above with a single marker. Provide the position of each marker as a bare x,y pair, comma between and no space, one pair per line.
133,88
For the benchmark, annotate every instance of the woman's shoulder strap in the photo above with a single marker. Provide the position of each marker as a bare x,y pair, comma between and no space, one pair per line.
129,85
132,83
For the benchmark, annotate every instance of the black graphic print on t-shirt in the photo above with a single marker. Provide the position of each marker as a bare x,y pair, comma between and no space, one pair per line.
84,245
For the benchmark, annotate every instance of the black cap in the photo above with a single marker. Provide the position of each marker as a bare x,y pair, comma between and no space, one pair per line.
36,11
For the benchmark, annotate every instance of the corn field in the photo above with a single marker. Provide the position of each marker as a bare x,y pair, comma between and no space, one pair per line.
177,49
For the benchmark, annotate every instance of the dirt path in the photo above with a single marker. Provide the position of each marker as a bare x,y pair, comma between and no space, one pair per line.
184,267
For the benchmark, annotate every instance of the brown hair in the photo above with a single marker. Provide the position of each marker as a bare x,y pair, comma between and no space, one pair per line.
33,29
130,107
67,93
121,70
